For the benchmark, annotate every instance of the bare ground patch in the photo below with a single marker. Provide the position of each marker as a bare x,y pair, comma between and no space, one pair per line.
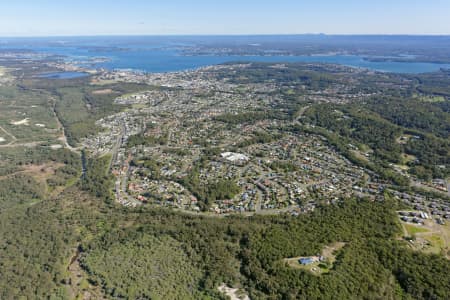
103,92
233,293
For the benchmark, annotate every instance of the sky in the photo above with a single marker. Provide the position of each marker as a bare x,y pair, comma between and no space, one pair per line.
209,17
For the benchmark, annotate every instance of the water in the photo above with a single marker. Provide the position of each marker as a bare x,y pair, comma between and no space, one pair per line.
164,54
164,61
63,75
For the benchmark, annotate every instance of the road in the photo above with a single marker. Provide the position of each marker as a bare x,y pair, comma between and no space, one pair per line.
121,188
13,142
14,139
122,179
117,145
28,145
300,113
63,137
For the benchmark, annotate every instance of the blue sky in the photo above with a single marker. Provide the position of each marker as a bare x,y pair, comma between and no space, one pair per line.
139,17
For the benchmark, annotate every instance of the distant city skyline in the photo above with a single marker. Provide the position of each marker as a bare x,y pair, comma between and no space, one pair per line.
232,17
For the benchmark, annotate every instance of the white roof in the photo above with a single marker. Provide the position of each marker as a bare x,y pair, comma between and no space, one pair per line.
234,156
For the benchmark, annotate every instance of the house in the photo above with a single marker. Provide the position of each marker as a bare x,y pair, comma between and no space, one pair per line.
417,221
306,261
440,221
235,157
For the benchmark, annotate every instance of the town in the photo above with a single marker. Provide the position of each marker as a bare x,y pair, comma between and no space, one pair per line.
196,131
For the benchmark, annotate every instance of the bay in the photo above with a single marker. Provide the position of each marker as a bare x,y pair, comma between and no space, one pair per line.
165,54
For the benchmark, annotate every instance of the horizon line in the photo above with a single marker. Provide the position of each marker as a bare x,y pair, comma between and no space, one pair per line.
228,35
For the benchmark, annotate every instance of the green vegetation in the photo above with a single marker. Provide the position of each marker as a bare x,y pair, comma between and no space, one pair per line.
189,256
22,179
146,140
177,151
285,166
432,153
342,145
435,84
97,180
248,117
414,229
22,110
19,156
431,99
436,244
207,194
414,114
347,124
78,107
312,77
353,124
19,189
259,137
153,169
321,266
55,216
62,176
74,114
35,245
138,265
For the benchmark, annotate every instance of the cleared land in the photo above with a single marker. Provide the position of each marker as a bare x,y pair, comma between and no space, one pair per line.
318,267
233,293
102,92
429,237
21,110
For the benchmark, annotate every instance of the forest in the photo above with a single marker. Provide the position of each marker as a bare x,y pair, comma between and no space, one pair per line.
368,129
122,249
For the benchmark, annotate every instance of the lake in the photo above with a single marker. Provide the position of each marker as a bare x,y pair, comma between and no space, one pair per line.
63,75
166,61
165,54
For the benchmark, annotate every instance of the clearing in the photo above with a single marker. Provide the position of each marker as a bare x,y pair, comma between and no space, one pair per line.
429,237
41,173
233,293
103,92
79,286
320,264
25,121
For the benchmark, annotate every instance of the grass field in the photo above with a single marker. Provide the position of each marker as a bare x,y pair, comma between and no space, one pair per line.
432,99
412,230
429,238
